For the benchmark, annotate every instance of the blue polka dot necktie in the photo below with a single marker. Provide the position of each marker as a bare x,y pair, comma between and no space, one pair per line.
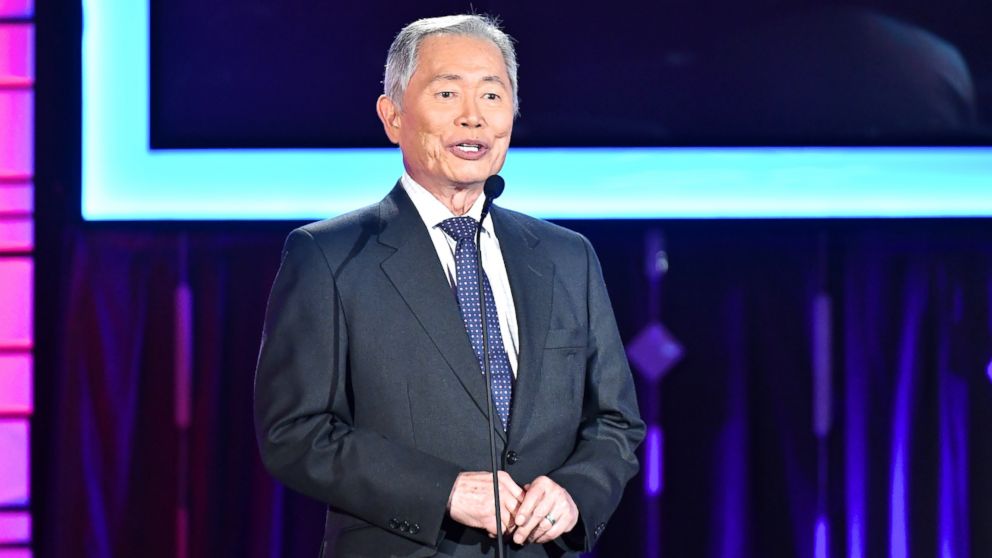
463,229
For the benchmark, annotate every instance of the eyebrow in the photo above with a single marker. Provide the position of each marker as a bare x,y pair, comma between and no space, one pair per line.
455,77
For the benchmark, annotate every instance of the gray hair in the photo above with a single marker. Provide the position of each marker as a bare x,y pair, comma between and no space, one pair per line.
401,61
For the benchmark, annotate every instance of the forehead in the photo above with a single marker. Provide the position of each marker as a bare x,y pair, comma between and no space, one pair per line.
458,54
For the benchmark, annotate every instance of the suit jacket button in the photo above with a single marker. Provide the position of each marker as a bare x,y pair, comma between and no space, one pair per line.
394,523
405,527
512,457
414,529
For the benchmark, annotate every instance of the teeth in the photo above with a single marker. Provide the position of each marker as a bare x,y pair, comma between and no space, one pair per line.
468,148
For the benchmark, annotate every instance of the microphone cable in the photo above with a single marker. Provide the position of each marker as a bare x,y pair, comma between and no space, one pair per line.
493,188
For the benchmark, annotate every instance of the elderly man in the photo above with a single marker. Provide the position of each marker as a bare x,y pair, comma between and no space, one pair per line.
369,393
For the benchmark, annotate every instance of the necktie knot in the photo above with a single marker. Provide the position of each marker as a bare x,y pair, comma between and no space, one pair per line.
460,228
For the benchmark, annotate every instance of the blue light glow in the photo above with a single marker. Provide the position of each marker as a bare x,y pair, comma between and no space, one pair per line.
822,536
897,504
653,461
123,179
855,544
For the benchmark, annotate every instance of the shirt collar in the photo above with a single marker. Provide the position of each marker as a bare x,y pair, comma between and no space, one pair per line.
432,211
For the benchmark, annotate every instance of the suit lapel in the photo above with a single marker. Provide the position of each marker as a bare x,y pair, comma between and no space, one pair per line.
531,276
416,273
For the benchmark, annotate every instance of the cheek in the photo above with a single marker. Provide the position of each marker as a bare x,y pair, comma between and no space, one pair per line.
431,146
502,133
502,136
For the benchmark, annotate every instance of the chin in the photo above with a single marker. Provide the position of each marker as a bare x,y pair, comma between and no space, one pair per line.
469,179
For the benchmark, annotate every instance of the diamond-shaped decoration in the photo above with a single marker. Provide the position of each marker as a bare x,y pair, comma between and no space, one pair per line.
654,351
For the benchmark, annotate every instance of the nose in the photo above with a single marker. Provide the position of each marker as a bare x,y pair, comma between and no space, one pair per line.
470,116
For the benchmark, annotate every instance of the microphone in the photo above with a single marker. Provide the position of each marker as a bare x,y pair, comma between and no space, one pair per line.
492,189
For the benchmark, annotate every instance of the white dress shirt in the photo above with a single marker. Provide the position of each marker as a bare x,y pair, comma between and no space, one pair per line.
433,212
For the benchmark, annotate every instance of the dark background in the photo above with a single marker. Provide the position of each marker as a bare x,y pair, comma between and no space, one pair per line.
293,73
912,299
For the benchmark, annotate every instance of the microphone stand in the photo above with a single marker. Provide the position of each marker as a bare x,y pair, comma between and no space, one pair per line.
491,194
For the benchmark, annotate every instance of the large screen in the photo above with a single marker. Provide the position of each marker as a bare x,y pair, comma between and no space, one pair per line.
264,110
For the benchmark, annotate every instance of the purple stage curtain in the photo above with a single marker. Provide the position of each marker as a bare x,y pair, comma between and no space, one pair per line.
901,472
114,486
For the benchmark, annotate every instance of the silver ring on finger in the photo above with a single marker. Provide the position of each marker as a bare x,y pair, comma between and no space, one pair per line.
551,520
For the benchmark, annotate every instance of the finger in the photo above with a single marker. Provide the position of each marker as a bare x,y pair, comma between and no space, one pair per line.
562,518
507,483
540,522
543,524
511,499
530,500
507,507
534,519
509,503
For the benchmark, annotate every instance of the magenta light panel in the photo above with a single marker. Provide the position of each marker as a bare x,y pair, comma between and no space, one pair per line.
16,234
16,199
15,527
14,446
16,289
16,8
17,38
17,60
16,387
16,121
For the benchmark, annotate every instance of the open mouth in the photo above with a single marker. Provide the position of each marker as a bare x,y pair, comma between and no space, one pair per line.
469,150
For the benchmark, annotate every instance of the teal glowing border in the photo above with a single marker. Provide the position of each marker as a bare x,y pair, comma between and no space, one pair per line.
124,180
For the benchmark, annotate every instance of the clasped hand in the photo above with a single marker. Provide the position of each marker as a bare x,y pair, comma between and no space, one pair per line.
524,511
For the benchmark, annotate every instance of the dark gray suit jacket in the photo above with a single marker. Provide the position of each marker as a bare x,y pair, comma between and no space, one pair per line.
368,395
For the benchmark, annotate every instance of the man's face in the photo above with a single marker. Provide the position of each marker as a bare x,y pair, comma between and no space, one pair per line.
457,116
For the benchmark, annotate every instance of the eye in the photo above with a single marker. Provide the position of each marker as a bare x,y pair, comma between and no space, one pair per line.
446,94
491,96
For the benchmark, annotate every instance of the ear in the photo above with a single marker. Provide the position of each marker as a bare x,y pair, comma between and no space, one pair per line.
389,114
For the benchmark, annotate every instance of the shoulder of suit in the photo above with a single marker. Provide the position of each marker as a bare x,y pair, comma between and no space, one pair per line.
547,232
338,236
348,224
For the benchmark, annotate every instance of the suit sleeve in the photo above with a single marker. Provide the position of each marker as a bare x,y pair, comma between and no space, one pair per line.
303,416
603,461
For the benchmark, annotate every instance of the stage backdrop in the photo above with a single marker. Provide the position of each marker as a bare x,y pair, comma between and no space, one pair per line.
899,470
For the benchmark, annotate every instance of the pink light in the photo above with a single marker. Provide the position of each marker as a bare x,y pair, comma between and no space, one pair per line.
16,296
16,234
15,527
16,117
16,54
16,397
15,446
16,8
16,199
16,273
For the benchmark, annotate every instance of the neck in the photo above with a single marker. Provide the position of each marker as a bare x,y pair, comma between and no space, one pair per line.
458,199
